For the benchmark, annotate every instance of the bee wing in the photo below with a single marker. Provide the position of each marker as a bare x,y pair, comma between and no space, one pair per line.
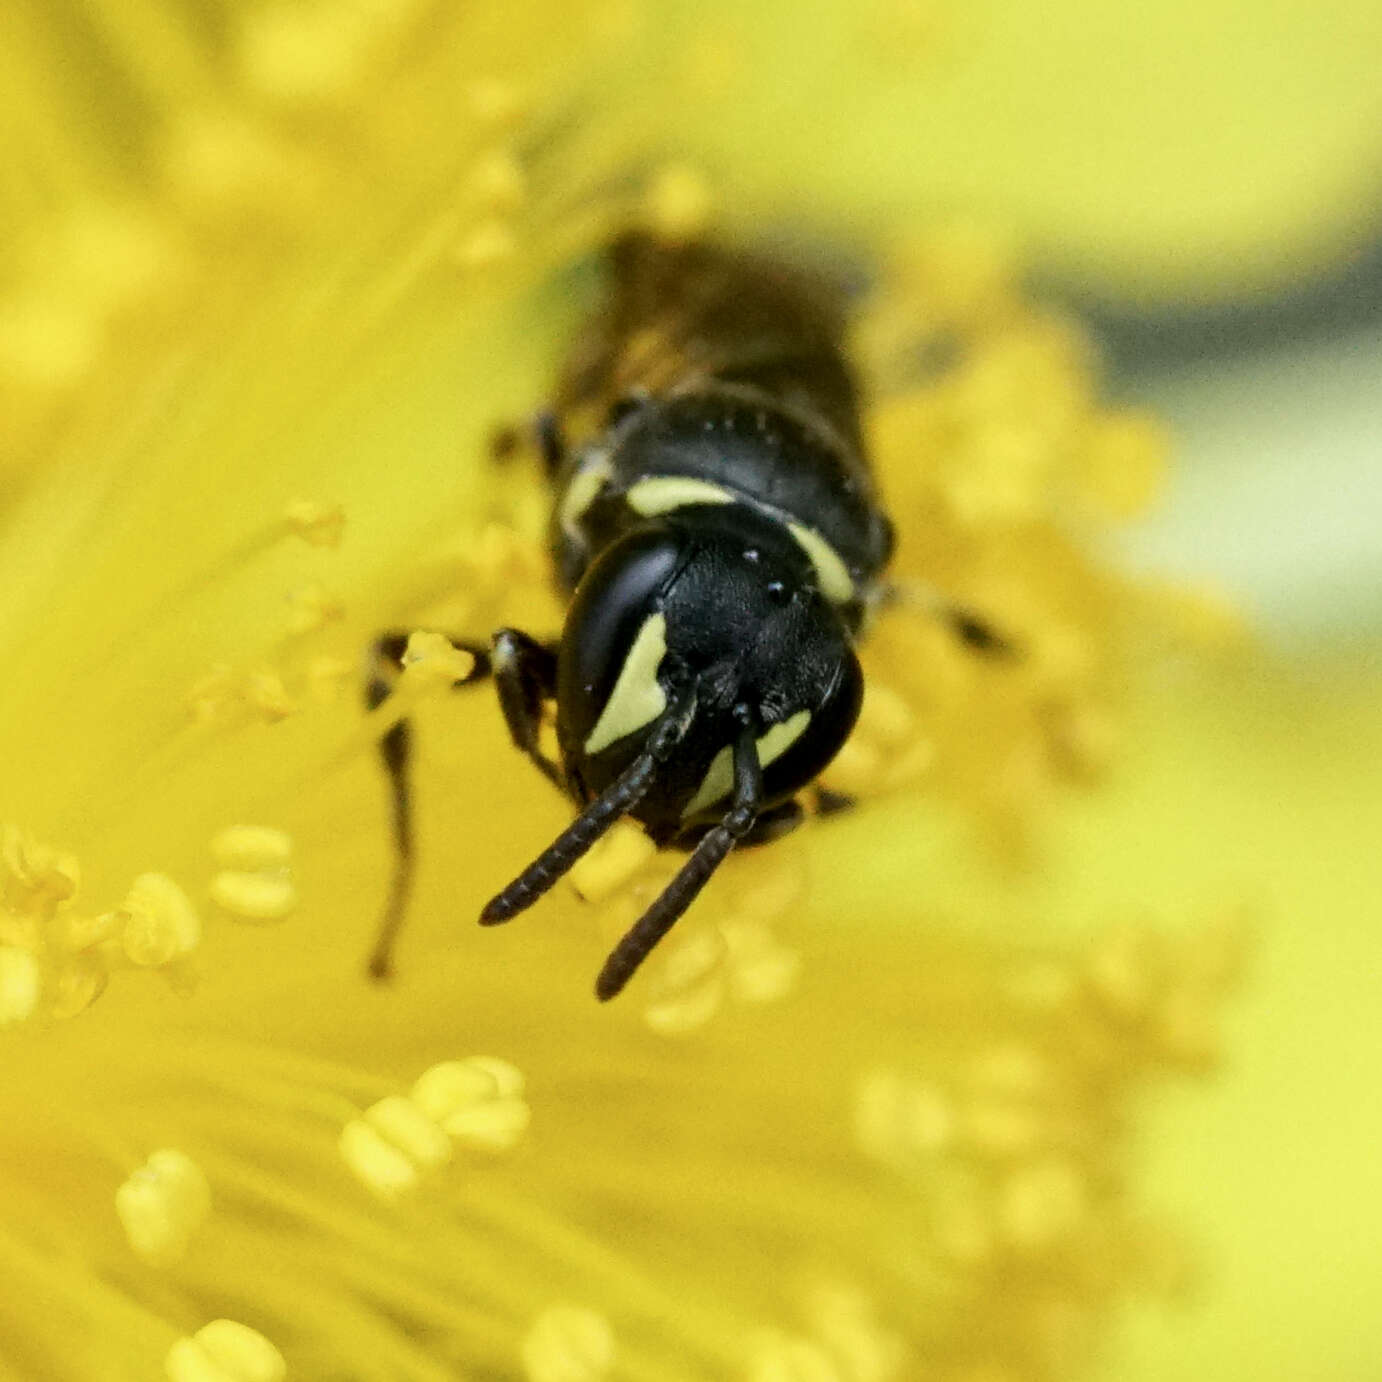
680,314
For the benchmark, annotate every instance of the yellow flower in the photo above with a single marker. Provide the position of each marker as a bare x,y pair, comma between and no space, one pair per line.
867,1116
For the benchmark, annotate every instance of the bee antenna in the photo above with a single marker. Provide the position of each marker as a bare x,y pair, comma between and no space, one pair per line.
620,797
694,874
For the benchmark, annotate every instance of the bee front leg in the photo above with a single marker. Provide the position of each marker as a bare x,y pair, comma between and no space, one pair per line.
525,675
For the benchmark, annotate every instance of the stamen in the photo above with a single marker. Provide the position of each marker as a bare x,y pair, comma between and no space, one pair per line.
489,245
162,1205
568,1343
161,924
256,884
478,1101
254,896
496,102
689,987
1041,1205
611,862
225,1351
379,1165
253,848
845,1320
21,982
431,659
319,525
498,183
311,609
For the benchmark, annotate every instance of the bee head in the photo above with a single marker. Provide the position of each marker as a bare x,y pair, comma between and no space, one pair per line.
715,614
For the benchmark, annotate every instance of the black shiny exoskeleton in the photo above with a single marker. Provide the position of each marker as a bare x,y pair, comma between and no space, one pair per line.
716,528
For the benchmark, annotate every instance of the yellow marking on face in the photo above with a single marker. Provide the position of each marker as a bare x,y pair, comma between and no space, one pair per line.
581,493
638,697
719,779
832,573
663,493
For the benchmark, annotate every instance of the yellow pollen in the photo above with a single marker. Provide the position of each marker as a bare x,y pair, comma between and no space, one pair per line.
478,1101
432,660
162,1205
225,1351
161,924
612,863
319,525
568,1343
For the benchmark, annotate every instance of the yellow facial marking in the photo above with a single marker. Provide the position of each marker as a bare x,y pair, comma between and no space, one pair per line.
836,582
719,779
637,697
663,493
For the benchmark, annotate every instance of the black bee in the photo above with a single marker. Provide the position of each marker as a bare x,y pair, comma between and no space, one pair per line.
719,535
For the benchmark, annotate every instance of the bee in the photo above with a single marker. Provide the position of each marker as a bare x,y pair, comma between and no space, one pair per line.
717,533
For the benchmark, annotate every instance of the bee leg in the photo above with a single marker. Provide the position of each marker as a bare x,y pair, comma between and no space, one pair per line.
830,803
978,635
773,825
525,674
975,632
544,432
551,445
395,752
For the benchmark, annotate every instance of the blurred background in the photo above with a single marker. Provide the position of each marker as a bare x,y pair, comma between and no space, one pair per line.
1198,181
